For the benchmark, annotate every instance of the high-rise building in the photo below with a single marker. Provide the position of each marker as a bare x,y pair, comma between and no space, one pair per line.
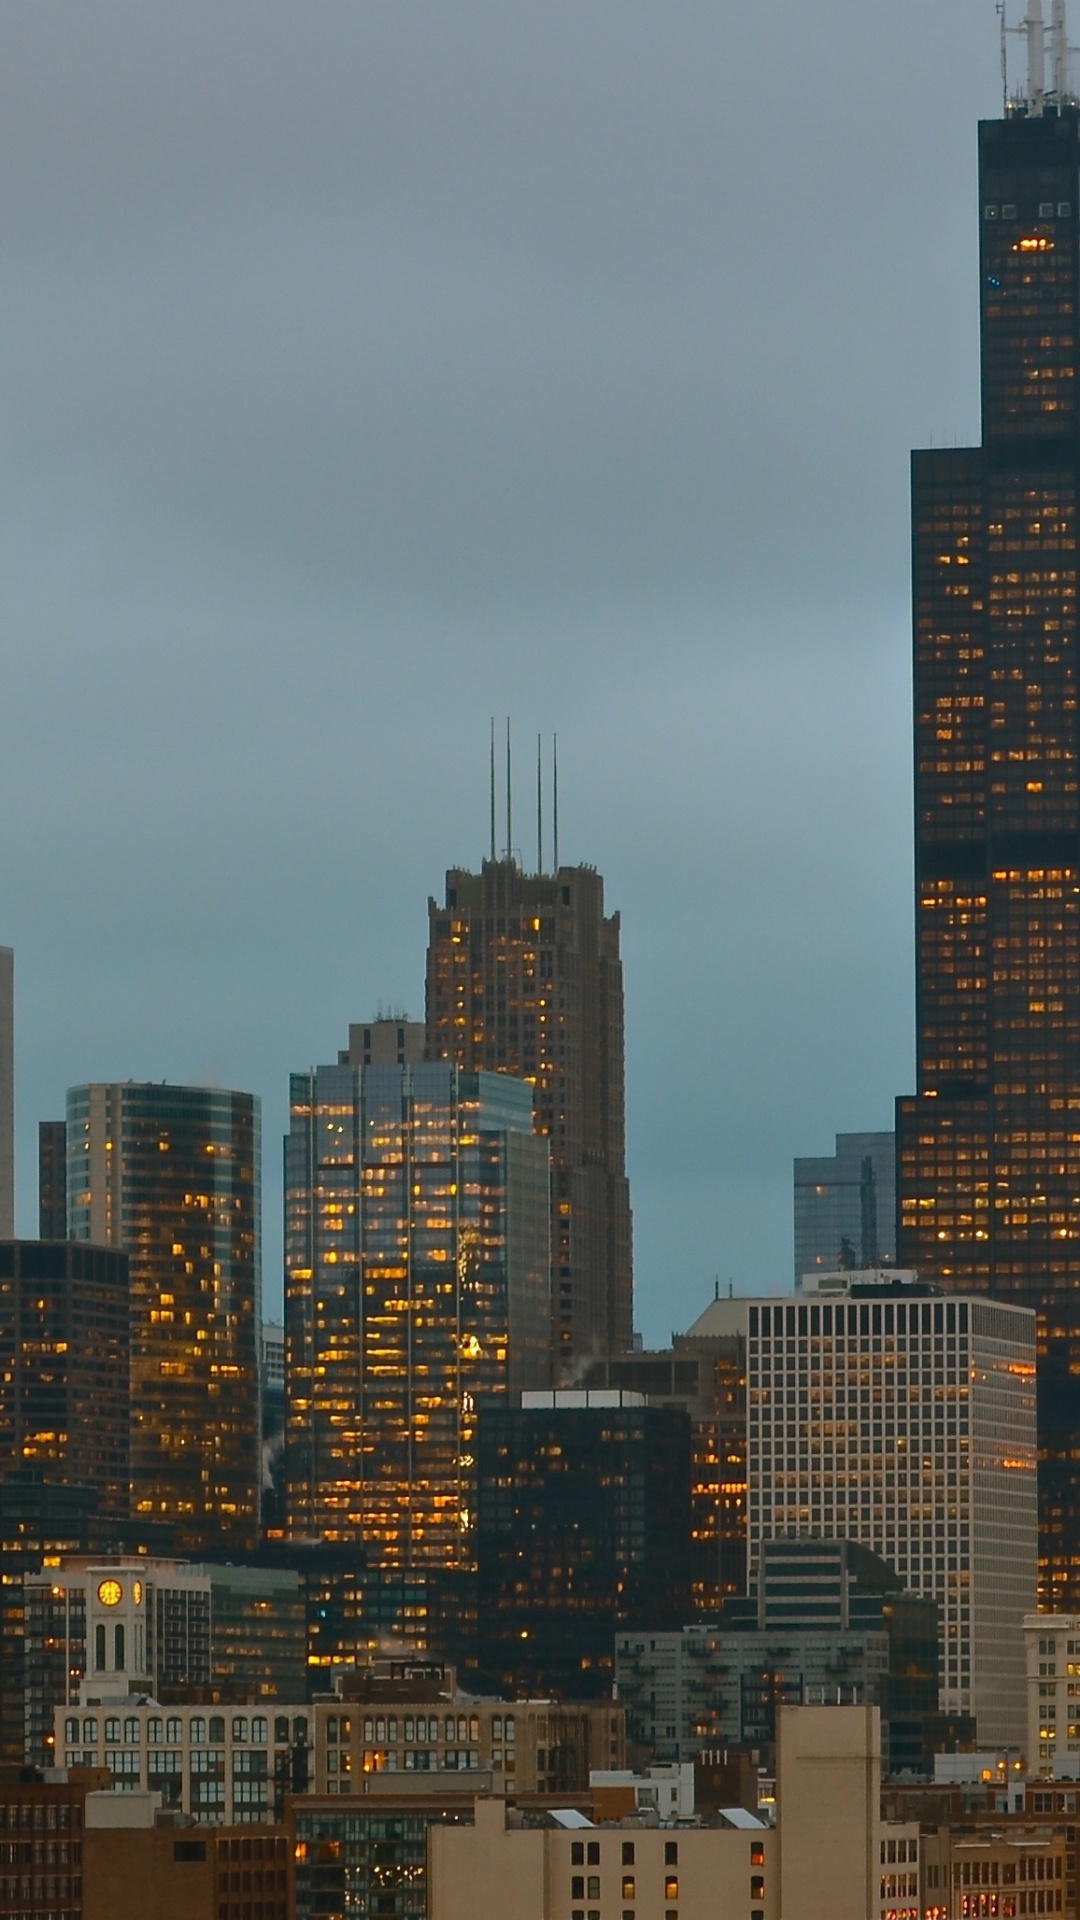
882,1415
7,1093
845,1206
583,1527
705,1372
52,1179
417,1278
524,977
64,1366
989,1146
171,1174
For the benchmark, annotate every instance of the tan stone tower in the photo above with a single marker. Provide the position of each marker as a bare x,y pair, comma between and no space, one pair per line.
524,976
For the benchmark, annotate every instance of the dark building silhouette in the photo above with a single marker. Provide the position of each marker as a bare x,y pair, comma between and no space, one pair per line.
65,1405
704,1371
524,976
52,1179
583,1527
988,1169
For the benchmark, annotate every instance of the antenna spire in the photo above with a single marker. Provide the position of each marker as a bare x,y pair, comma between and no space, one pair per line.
1036,54
539,811
555,796
492,786
509,801
1059,53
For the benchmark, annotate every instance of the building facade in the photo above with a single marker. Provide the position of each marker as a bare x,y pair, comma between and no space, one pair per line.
65,1349
179,1631
989,1146
1052,1646
240,1872
820,1861
523,1746
218,1764
704,1371
52,1180
583,1527
417,1279
171,1175
524,977
845,1206
907,1423
829,1623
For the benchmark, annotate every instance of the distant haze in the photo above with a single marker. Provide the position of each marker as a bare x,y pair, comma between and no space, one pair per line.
370,369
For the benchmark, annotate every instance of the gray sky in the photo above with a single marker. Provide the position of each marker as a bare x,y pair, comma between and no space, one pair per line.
369,367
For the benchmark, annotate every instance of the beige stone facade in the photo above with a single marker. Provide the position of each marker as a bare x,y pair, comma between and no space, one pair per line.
523,1746
820,1863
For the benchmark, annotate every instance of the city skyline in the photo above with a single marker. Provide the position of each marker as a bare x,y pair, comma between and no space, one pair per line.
604,351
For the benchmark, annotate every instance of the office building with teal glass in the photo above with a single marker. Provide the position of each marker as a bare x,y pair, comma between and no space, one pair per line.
417,1279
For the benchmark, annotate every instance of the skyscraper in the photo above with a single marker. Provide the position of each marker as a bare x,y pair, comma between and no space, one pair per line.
905,1422
171,1174
584,1527
524,977
845,1206
417,1277
988,1150
7,1093
65,1407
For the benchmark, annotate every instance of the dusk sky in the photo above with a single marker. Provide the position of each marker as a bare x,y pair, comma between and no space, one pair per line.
369,368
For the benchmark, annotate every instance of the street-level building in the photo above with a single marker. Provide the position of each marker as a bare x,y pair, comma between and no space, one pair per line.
521,1746
820,1862
220,1764
175,1630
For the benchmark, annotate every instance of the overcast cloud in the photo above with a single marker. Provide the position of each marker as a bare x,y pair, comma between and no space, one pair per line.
370,368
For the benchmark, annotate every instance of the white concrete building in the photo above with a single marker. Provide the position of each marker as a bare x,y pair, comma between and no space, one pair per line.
885,1414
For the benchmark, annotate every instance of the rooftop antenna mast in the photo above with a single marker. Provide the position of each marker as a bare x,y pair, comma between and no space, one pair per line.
1059,53
1036,58
493,786
555,797
539,811
1004,68
509,804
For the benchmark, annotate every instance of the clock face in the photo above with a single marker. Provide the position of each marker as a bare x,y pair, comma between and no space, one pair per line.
136,1593
110,1593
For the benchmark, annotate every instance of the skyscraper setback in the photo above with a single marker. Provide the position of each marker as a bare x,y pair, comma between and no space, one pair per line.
988,1167
524,976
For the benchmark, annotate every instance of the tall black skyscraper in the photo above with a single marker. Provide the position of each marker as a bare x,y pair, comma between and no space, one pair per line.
988,1168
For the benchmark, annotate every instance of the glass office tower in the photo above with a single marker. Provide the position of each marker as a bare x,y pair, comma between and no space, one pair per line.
417,1278
65,1401
171,1174
524,976
845,1206
988,1167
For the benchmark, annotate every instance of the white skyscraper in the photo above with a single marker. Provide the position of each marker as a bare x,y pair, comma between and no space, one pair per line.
7,1093
907,1422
